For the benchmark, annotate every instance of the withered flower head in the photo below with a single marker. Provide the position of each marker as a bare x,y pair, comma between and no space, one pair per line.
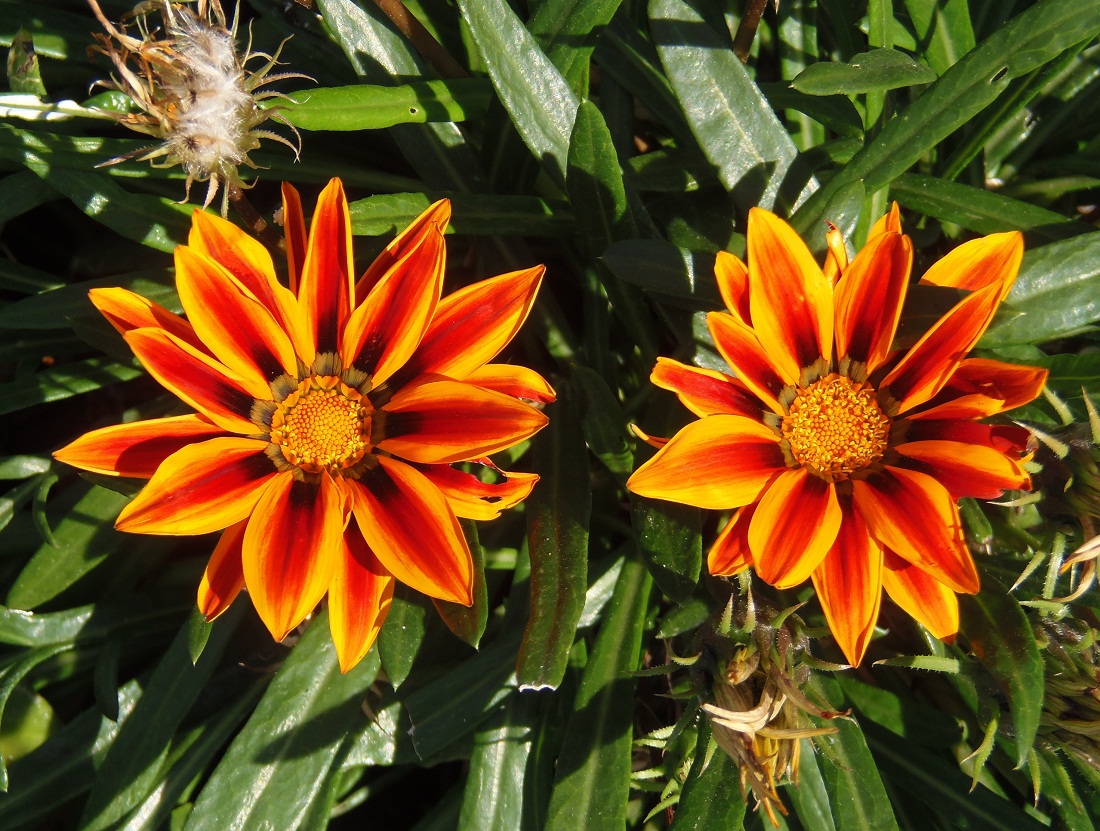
192,90
1071,702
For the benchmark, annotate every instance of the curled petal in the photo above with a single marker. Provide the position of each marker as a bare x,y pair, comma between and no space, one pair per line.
358,599
127,311
436,216
470,498
974,265
204,487
224,576
294,232
516,381
848,583
204,383
705,391
869,298
915,516
978,380
965,469
136,449
793,527
733,284
439,421
923,597
1004,438
412,530
291,547
890,222
721,461
752,364
325,290
730,553
790,299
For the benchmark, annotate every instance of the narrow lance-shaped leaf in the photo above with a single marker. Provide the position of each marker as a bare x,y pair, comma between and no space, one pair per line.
878,69
374,107
711,797
468,622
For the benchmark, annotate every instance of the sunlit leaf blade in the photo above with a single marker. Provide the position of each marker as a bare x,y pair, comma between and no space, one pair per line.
875,70
593,770
10,678
732,121
595,182
809,799
467,623
944,30
386,214
711,797
373,107
669,535
999,634
402,634
279,763
558,513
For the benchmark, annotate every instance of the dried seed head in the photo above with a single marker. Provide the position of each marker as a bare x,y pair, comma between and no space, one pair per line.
193,93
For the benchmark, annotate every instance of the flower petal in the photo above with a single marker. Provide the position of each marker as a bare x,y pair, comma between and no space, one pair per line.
730,553
437,215
224,576
965,469
869,298
890,222
705,391
204,383
790,299
516,381
294,232
752,365
974,265
325,289
201,488
291,547
1012,384
848,583
914,515
721,461
439,421
793,527
471,326
1009,439
733,284
358,599
963,407
127,311
923,597
409,526
237,252
386,328
136,449
470,498
240,331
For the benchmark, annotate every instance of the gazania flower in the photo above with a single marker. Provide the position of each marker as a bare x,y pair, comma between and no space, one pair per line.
844,455
329,415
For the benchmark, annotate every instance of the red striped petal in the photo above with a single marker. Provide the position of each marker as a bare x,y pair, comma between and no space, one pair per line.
1015,385
240,331
127,311
721,461
204,487
791,300
439,421
437,216
291,547
325,288
204,383
869,298
752,365
516,381
1004,438
705,391
793,528
923,597
915,516
965,469
224,576
409,526
386,328
733,284
294,232
470,498
358,599
240,254
136,449
730,553
848,583
471,326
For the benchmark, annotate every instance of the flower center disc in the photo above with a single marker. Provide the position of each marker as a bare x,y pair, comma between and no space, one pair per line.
835,427
322,425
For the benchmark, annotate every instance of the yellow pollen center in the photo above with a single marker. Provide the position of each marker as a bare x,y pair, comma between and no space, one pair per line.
836,428
323,425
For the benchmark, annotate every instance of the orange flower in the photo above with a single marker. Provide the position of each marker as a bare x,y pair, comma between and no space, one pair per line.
844,455
329,415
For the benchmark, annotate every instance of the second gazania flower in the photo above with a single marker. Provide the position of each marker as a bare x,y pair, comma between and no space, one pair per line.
843,455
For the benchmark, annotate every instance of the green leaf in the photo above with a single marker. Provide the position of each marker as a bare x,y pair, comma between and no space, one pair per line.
91,623
944,31
538,99
198,635
1000,635
1034,37
665,269
23,467
58,308
467,623
9,680
132,767
20,192
63,382
836,112
732,121
474,214
280,762
28,722
592,781
603,423
595,183
402,633
558,513
1057,291
670,538
711,797
878,69
372,107
808,797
